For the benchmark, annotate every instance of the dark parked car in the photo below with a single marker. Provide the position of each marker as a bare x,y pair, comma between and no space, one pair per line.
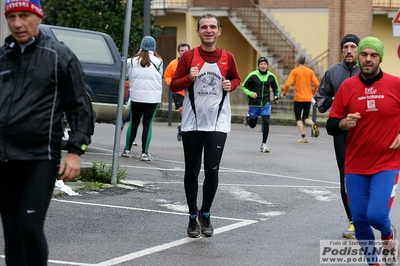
101,63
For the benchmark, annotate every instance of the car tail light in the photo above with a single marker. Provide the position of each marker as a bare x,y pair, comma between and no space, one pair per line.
126,91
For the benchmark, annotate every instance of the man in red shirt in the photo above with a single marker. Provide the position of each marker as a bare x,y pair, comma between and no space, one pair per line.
368,105
207,74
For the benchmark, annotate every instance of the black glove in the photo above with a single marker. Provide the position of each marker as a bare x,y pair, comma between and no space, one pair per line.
327,103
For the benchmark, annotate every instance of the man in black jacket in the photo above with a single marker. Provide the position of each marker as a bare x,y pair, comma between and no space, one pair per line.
257,87
330,84
40,79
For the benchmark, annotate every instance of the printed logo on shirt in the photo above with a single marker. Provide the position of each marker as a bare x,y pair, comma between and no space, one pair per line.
370,97
208,87
209,81
371,106
370,90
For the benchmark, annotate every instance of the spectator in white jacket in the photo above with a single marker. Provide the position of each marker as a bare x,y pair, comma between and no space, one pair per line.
145,72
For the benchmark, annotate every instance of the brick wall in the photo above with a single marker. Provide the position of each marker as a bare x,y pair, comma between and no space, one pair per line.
335,35
358,18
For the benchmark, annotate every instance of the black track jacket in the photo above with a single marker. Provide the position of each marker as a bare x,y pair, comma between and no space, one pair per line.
36,87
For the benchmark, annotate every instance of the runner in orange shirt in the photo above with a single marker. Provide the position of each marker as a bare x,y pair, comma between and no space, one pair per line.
169,72
302,77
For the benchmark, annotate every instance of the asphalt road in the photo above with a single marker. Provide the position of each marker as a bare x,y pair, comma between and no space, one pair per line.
270,208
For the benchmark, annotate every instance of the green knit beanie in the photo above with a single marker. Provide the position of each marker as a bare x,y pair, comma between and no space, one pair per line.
371,42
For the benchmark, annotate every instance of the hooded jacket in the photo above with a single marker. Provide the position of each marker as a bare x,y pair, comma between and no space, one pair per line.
36,87
331,82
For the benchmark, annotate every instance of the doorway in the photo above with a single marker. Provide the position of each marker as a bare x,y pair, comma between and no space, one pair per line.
166,48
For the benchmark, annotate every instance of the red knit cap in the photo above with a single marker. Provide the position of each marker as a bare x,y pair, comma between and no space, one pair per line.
32,6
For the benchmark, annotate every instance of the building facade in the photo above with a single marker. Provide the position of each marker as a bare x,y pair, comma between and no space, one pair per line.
314,27
277,29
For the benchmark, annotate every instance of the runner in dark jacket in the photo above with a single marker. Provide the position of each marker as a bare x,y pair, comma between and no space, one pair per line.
37,86
331,81
40,79
257,87
330,84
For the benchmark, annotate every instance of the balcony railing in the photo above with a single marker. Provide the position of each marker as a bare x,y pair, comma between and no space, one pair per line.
163,4
387,4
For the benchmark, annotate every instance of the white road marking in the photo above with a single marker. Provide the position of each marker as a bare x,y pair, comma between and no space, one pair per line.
141,209
319,192
322,195
248,185
230,170
70,263
275,175
148,251
223,170
176,207
172,244
242,194
96,149
269,215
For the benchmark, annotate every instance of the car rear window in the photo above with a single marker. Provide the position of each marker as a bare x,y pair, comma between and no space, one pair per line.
88,47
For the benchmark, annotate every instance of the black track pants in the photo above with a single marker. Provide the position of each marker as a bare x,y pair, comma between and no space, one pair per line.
339,143
26,188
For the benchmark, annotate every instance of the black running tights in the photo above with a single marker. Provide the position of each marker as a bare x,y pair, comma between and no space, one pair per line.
265,126
146,112
193,144
26,188
339,143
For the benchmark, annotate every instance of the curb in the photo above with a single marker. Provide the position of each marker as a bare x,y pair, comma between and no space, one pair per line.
76,186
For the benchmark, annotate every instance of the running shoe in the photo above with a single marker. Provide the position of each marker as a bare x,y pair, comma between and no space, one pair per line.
350,231
146,157
206,228
126,154
391,248
315,130
193,229
302,140
245,121
264,148
179,136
